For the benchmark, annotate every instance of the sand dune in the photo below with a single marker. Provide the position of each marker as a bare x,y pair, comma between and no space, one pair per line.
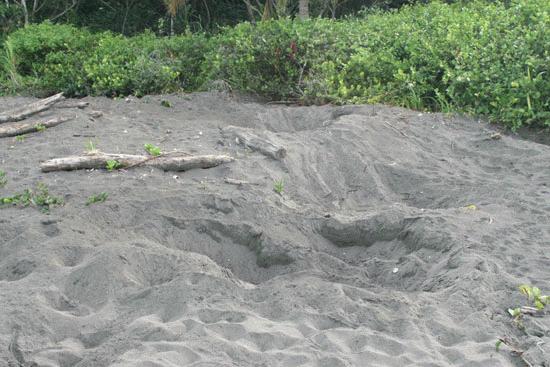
372,255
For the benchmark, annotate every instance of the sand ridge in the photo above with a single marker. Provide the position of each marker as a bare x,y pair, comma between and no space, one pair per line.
370,257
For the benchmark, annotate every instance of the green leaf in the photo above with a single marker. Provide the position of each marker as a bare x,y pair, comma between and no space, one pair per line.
498,344
152,150
527,291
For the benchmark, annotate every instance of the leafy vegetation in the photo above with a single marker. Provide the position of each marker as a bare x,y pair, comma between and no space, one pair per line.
152,150
40,127
98,198
483,58
279,186
165,103
3,179
534,297
113,165
38,197
90,146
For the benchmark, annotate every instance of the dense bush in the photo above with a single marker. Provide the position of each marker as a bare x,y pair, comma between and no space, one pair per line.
49,58
486,59
482,59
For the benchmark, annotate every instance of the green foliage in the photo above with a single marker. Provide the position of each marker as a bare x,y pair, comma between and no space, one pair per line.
39,198
3,178
20,138
498,345
534,296
48,57
165,103
40,127
98,198
483,58
279,186
113,165
278,58
152,150
90,146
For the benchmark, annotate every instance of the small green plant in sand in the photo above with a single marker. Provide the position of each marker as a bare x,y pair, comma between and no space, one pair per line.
20,138
534,296
98,198
38,197
537,303
3,178
152,150
279,186
90,146
40,127
113,164
165,103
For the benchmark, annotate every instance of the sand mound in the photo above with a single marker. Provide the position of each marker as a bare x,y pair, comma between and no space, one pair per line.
372,256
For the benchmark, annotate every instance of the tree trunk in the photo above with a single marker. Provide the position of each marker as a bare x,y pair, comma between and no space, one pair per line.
250,11
171,25
303,9
25,11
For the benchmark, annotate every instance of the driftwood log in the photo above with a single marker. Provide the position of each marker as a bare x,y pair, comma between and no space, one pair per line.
31,109
19,128
254,142
167,162
70,104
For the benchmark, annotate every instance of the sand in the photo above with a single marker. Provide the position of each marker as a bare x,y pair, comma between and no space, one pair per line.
373,255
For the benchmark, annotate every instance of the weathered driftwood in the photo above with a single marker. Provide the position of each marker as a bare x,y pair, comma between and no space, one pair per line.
31,109
250,140
71,104
19,128
168,162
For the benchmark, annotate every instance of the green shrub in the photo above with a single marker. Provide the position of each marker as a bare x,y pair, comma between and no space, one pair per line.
276,58
48,58
186,54
482,58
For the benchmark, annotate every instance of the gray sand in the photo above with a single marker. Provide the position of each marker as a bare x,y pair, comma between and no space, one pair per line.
368,258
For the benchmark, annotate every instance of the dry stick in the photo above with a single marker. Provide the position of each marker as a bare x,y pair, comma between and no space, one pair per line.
20,128
31,109
396,129
166,162
150,158
79,105
250,140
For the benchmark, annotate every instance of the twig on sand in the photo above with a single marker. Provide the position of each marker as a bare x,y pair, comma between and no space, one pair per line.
19,128
518,352
70,104
396,129
31,109
255,142
166,162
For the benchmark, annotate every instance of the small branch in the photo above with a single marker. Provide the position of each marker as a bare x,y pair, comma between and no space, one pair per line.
29,110
169,162
69,104
396,129
14,129
250,140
